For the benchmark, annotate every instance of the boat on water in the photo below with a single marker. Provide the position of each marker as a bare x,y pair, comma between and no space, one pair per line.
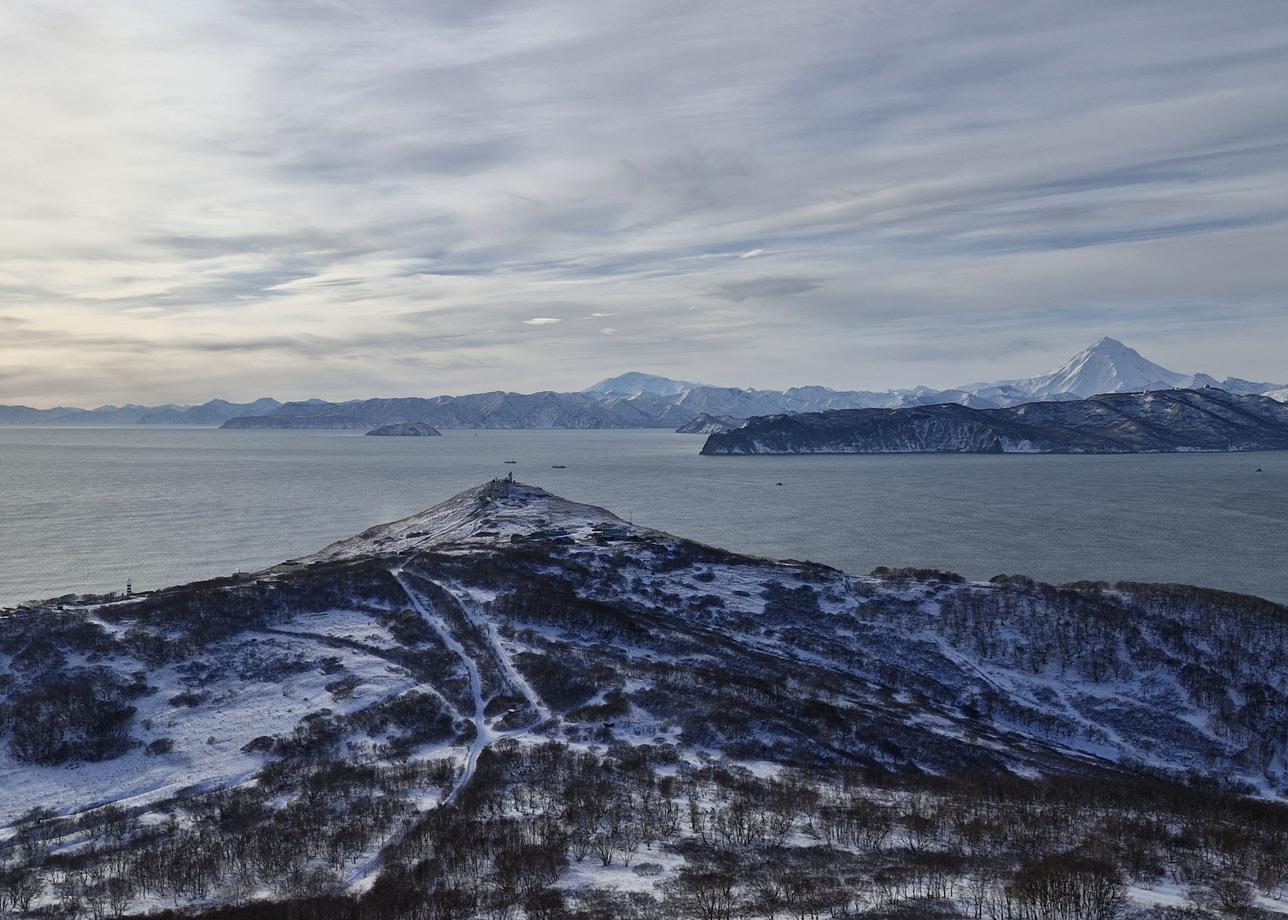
512,461
558,466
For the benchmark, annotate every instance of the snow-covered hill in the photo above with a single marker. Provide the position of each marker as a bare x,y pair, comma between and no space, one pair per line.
315,716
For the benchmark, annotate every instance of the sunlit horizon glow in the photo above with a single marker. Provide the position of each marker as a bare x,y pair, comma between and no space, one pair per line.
241,198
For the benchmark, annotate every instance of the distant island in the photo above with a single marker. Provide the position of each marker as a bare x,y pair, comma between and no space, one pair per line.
405,430
1164,421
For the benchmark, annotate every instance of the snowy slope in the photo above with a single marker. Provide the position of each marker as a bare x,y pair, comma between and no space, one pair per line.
634,383
395,665
1107,366
487,515
507,540
246,700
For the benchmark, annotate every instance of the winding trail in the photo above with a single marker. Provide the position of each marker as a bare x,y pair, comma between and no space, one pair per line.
512,675
363,875
484,731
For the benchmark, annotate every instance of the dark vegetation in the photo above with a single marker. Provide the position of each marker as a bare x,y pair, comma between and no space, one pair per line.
850,844
82,714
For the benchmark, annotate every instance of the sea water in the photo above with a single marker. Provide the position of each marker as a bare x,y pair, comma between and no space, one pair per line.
88,509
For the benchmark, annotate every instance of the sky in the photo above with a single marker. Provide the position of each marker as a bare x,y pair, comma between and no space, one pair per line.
345,199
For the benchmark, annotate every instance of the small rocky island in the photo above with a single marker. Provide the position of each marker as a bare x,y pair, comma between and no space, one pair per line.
406,430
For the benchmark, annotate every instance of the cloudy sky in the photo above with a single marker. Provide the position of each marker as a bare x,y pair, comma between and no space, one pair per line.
396,197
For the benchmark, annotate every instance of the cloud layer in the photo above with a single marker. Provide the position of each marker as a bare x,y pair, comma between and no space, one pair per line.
315,197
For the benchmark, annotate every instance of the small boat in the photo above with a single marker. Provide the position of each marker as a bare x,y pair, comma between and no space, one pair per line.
778,483
1260,470
558,466
512,461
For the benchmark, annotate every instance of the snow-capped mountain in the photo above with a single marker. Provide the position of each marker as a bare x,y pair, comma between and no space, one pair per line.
1108,366
634,383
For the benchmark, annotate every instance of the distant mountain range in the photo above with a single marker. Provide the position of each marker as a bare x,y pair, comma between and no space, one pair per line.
214,412
1162,421
639,400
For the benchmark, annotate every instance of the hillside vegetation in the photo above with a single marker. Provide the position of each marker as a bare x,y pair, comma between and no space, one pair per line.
512,705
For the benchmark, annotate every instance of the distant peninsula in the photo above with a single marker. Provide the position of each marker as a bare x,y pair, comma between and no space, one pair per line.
405,430
1164,421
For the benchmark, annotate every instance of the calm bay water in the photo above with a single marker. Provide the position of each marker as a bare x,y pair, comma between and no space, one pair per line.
85,509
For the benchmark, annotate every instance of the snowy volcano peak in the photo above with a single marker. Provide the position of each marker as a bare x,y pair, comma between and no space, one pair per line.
1108,366
495,512
634,383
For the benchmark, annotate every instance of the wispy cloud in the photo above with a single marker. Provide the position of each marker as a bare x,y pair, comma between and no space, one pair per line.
764,288
327,198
